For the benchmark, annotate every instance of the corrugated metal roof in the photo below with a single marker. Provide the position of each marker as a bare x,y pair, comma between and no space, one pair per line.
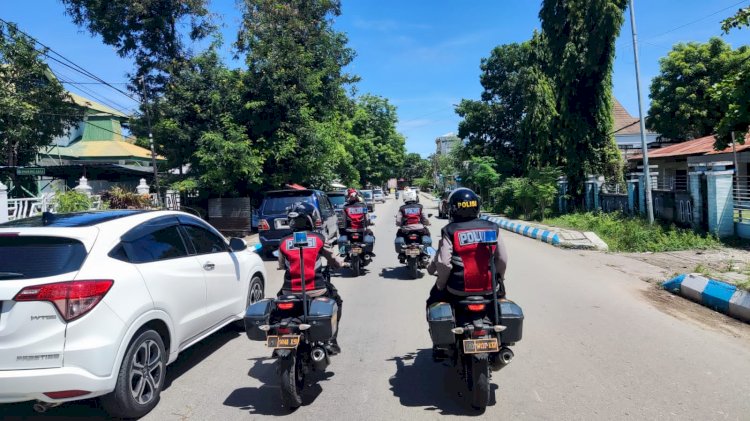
700,146
93,105
105,149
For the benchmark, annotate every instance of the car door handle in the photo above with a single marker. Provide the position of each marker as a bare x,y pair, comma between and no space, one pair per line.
209,266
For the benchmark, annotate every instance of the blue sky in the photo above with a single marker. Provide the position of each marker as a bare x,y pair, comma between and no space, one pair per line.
422,55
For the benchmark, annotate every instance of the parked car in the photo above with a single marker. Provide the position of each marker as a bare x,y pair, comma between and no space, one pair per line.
369,200
273,225
338,200
443,205
99,303
378,196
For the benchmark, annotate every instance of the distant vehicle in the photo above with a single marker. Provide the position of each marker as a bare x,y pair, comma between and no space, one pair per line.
443,205
378,195
369,199
99,303
273,225
338,200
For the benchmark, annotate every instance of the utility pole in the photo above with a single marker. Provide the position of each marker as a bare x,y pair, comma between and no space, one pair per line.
644,146
734,153
151,140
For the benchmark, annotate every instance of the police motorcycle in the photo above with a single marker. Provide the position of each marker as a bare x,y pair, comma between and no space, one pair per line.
297,328
416,252
355,246
475,336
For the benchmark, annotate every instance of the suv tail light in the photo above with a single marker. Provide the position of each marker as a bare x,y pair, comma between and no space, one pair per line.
263,225
475,307
318,223
73,299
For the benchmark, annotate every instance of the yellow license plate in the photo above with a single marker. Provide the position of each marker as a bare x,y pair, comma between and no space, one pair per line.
356,250
413,252
283,342
476,346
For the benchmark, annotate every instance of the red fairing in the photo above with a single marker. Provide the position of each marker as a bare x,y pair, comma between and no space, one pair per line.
356,215
476,259
310,254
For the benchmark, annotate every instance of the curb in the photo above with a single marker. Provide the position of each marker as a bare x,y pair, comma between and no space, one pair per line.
717,295
546,236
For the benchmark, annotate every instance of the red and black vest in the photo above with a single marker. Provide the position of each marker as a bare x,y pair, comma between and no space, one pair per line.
311,254
356,216
471,257
411,214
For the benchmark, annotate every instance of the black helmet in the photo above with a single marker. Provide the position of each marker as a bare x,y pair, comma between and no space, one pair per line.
301,216
463,205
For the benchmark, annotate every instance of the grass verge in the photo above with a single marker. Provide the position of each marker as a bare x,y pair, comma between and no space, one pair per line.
631,234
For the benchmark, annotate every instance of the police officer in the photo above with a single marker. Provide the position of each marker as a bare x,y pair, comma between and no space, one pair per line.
357,219
411,218
317,280
462,262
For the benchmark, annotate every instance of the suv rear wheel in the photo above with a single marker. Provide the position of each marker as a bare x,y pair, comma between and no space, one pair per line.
140,379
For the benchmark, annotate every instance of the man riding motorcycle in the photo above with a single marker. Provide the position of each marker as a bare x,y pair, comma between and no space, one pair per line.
411,218
317,284
357,219
462,263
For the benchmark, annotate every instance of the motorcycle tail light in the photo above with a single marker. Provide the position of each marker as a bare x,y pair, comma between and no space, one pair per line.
283,330
413,236
479,332
475,307
285,306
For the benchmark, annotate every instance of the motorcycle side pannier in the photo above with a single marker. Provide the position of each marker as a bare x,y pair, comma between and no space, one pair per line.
511,316
323,319
256,315
441,320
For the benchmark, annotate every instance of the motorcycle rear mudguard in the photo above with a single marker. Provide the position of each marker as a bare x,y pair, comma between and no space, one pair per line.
282,353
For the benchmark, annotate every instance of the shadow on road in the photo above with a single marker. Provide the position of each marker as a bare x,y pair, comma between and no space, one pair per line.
266,399
194,355
400,272
421,382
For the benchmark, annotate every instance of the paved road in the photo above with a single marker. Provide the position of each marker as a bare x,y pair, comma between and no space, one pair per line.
595,347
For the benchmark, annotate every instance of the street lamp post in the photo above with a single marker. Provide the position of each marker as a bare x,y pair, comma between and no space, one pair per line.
644,146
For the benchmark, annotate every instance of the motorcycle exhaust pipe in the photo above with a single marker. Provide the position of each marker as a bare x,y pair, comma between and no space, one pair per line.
319,358
367,257
502,358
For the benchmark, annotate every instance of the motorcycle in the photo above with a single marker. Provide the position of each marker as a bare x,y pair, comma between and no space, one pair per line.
355,250
297,328
475,336
415,254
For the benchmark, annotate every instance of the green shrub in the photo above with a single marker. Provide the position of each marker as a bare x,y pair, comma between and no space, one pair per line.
71,201
631,234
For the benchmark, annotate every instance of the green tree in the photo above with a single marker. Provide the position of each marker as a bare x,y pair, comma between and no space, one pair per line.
415,167
733,93
682,107
383,148
480,174
738,20
149,31
581,37
295,86
34,106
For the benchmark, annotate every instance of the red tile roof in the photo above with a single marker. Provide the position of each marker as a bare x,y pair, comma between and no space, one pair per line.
700,146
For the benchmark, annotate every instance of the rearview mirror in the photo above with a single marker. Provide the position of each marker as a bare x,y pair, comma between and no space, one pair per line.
237,244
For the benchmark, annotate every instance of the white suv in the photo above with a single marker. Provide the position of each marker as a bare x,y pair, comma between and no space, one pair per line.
98,303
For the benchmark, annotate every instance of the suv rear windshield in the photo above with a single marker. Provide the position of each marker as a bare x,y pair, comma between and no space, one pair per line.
367,194
27,257
337,200
278,204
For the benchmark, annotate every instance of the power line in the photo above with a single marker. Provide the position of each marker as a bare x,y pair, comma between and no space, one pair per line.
72,65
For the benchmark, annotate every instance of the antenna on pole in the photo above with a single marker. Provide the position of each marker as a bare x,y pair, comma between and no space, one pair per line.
644,146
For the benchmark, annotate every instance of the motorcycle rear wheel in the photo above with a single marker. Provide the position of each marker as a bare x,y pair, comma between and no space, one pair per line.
357,266
413,268
479,382
292,382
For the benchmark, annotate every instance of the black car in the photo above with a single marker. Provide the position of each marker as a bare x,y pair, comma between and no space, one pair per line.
338,200
273,224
